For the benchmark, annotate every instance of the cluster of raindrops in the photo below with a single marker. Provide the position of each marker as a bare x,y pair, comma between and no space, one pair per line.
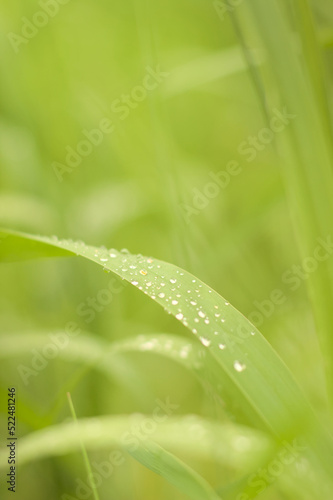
147,275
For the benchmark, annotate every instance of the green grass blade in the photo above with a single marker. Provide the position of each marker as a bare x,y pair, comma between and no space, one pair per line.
94,353
249,368
227,444
196,74
155,458
306,145
84,451
259,380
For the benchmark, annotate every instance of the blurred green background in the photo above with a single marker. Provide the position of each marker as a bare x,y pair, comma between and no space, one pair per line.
133,190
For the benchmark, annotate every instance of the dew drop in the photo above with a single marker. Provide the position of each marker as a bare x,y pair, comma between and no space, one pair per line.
204,341
221,346
173,281
135,283
193,302
143,272
201,314
239,367
179,316
174,302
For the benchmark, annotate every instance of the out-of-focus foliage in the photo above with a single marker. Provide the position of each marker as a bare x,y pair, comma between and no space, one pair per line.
179,168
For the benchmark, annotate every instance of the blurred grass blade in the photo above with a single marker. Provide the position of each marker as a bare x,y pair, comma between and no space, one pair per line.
175,471
306,145
84,451
230,445
204,70
108,359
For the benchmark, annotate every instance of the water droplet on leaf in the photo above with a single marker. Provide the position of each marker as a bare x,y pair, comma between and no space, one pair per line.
239,367
204,341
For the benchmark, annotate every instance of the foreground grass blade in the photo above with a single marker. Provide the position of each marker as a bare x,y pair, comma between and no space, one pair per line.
249,368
